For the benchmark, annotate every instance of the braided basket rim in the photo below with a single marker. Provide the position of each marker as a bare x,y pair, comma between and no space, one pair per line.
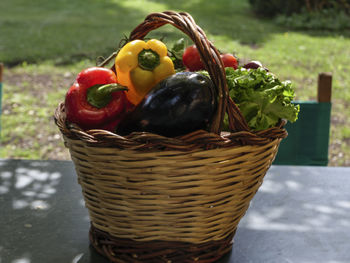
145,141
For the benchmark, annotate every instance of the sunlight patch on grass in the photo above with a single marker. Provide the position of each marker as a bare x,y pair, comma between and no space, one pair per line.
147,6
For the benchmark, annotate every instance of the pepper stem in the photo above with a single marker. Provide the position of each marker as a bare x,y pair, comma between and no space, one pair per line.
100,95
148,59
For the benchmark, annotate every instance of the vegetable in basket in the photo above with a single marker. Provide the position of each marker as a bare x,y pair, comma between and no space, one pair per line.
180,104
262,98
141,65
229,60
254,64
192,60
95,100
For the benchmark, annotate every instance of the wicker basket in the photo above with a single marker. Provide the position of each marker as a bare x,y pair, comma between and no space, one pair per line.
157,199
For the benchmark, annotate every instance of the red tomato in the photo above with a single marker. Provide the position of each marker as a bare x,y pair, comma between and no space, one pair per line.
229,60
191,59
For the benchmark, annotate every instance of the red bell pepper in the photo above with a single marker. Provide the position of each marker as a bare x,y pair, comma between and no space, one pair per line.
95,100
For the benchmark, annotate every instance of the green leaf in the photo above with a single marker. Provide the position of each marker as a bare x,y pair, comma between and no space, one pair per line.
178,48
176,52
262,98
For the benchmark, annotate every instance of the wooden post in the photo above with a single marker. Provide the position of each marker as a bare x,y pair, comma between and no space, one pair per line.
1,70
324,87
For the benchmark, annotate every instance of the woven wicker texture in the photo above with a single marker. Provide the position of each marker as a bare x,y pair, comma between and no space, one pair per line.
193,196
191,190
126,250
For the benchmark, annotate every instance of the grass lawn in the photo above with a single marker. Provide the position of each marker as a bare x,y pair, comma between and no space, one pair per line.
44,44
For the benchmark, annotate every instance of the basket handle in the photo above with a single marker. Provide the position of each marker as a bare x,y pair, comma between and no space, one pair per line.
210,57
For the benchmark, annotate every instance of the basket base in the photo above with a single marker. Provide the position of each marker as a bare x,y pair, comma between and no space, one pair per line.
127,250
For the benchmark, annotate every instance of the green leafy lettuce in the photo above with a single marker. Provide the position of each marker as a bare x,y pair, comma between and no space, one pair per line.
262,98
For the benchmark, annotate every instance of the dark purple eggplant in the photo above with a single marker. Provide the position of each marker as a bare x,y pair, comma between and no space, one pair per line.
180,104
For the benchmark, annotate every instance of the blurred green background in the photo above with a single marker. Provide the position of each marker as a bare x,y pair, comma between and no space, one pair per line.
44,44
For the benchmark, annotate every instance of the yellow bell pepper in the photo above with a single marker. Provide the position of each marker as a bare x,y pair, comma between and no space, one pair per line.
141,65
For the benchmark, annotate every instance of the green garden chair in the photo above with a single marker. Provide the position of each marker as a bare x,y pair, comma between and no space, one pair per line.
308,138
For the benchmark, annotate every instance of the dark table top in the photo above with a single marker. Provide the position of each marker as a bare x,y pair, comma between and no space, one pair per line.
300,214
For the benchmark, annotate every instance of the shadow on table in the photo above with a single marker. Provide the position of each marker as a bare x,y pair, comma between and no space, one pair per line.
43,218
300,218
42,213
